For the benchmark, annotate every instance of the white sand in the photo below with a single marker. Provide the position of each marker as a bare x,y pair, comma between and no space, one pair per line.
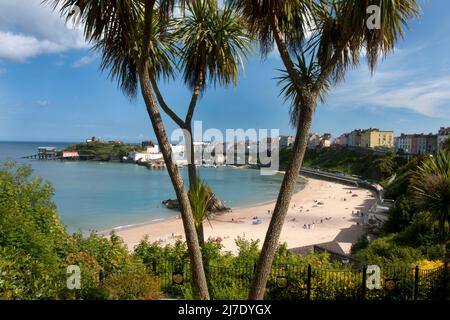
341,228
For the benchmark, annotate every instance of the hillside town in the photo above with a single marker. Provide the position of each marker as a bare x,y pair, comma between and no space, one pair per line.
245,152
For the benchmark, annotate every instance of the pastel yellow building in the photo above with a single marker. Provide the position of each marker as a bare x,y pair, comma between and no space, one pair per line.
373,138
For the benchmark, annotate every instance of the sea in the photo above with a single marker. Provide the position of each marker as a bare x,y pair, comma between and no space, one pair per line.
99,196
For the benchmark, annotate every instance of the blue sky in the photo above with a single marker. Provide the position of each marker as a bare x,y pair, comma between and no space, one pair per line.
51,89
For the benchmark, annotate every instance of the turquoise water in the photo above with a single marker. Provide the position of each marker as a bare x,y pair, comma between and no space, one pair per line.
99,196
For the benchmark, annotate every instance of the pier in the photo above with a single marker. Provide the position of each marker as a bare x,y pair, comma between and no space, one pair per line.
51,153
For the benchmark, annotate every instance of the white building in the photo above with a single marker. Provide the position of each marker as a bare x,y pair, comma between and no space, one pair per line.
200,151
179,154
342,140
286,141
220,159
313,141
150,154
325,140
178,151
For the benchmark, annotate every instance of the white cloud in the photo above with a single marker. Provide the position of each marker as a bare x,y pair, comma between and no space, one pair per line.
20,47
84,61
398,89
29,28
42,103
429,97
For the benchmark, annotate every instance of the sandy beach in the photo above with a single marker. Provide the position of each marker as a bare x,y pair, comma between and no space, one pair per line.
321,212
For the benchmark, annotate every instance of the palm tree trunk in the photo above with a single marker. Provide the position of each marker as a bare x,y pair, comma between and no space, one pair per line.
284,53
198,273
284,197
200,234
188,126
192,170
291,176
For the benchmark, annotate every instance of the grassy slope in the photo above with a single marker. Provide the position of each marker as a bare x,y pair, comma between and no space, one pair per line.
104,151
361,163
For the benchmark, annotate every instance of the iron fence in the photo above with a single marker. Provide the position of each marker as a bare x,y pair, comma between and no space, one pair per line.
304,282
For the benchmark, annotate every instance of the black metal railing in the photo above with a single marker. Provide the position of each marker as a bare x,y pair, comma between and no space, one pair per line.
304,282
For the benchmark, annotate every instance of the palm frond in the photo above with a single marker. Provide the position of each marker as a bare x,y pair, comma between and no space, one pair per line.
115,29
341,30
200,196
121,61
213,44
308,71
293,18
430,187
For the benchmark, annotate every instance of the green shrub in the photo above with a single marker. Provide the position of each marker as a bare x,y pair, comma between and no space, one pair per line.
361,244
25,277
384,251
400,216
131,284
35,249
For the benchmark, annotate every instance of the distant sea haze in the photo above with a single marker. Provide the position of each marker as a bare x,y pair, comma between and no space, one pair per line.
102,195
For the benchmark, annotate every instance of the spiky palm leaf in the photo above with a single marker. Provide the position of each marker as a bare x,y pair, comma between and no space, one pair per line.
214,44
104,18
431,189
293,18
115,28
122,61
341,31
200,196
308,70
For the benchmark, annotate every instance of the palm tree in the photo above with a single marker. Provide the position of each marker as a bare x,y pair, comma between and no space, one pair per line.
214,43
431,192
131,37
332,35
431,189
200,196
